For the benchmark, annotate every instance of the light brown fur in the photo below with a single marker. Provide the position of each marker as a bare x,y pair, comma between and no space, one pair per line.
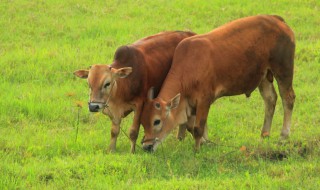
233,59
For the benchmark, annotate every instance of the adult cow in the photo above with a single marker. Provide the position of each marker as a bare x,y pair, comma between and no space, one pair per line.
121,87
233,59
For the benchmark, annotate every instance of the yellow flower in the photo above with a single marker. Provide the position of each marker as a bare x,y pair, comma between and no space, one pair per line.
243,148
79,104
70,94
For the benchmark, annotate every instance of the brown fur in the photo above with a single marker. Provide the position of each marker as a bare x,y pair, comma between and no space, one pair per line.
149,60
233,59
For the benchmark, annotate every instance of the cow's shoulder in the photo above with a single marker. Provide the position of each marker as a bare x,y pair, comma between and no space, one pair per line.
128,56
124,53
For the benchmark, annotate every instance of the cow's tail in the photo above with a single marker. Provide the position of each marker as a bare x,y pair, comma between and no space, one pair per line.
279,18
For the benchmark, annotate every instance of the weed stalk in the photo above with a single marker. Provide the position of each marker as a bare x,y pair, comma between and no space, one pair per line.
78,123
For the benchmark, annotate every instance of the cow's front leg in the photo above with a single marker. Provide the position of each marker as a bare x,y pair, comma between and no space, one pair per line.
190,126
200,124
187,126
182,132
134,130
204,138
115,129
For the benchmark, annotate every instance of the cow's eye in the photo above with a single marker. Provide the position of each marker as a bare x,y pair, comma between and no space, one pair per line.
157,106
107,84
156,122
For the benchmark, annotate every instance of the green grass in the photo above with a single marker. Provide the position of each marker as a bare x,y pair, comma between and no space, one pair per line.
43,42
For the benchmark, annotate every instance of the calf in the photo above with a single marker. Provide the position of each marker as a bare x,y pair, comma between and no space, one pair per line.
233,59
121,87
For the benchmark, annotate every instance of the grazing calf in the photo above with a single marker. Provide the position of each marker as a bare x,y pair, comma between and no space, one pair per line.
233,59
122,87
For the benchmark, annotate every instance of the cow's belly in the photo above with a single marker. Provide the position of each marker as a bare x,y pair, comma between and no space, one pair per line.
241,83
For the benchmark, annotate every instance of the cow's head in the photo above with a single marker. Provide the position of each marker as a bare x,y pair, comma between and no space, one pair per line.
102,83
157,120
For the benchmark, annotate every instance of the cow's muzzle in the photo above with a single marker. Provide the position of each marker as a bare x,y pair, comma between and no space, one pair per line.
150,147
95,106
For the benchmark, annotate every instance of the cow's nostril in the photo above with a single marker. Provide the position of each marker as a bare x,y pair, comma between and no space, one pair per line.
93,108
148,148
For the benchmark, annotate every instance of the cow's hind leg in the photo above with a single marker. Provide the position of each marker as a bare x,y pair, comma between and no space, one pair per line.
269,96
283,73
288,96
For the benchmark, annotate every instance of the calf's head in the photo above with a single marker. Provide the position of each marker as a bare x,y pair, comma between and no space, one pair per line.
157,120
102,83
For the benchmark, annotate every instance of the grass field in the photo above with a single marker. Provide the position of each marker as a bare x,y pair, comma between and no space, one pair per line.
43,41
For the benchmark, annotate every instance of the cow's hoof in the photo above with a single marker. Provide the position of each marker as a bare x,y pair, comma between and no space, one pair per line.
283,139
203,141
111,150
265,135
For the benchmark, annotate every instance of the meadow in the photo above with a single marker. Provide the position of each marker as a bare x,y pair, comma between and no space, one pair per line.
49,140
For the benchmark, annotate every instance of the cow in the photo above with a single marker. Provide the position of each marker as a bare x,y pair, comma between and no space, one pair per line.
233,59
122,87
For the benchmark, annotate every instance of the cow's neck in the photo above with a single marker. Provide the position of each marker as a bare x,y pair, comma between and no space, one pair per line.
171,87
119,95
129,87
117,106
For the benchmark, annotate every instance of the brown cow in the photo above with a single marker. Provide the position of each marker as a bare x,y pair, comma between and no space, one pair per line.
233,59
121,87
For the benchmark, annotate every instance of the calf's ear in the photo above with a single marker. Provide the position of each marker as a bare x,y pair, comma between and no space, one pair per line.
174,102
122,72
81,73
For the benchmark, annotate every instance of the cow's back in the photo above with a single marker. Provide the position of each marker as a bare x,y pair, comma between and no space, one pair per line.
150,59
225,54
158,54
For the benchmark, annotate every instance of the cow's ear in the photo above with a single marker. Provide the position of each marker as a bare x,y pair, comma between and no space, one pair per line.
122,72
81,73
174,102
151,94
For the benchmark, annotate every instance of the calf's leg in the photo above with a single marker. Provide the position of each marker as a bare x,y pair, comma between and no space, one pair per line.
134,130
115,129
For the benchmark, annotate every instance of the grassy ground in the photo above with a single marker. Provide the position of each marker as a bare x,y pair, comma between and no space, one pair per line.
43,42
